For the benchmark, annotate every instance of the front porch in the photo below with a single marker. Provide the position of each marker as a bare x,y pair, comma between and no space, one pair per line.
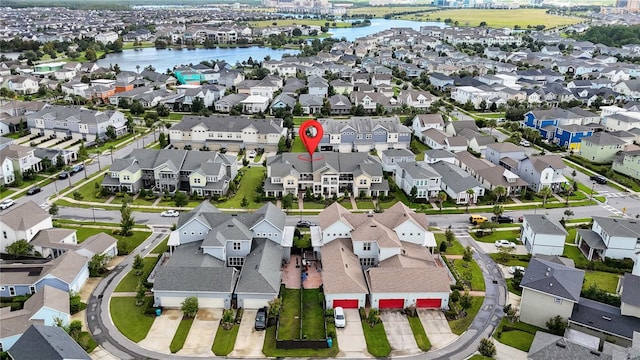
590,244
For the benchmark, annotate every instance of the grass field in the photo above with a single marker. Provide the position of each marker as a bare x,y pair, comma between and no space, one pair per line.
130,281
496,18
290,315
603,280
510,235
289,22
518,335
381,11
181,335
312,314
376,338
455,249
418,332
471,270
129,318
225,340
248,188
269,347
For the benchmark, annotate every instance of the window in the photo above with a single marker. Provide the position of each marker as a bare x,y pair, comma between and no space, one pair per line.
367,261
32,289
4,234
12,291
363,181
235,261
196,181
237,246
366,246
557,300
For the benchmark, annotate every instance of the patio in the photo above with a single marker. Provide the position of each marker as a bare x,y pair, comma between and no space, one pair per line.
299,271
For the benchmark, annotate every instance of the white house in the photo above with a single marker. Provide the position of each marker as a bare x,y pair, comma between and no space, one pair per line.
23,222
610,237
542,235
542,171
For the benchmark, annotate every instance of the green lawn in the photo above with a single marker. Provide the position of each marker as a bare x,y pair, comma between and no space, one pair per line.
225,340
313,324
176,116
473,270
572,252
162,247
418,148
298,146
480,357
251,181
418,332
130,281
518,335
603,280
290,315
129,318
491,237
302,243
498,18
313,205
459,326
511,260
376,338
181,335
78,224
131,242
455,249
269,347
346,204
365,204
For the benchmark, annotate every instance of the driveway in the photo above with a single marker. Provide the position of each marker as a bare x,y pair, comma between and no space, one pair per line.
490,248
249,341
351,337
399,334
202,332
436,327
162,331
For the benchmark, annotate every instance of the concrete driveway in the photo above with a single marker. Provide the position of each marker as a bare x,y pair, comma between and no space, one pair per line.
436,327
202,332
399,334
162,331
490,248
351,337
249,342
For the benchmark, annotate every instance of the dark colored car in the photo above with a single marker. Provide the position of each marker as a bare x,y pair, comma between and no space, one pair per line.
63,175
502,219
33,190
599,179
305,223
261,319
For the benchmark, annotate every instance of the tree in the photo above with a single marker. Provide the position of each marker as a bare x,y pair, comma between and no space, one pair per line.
162,139
138,265
141,291
181,199
287,202
163,110
244,203
468,254
374,317
197,105
90,54
466,301
498,210
499,191
127,221
470,193
98,265
54,209
556,325
75,302
442,197
413,194
282,145
568,213
111,132
545,192
505,252
190,306
487,347
449,236
19,248
136,108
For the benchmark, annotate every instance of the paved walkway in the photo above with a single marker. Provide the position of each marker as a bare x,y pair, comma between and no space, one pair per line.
202,332
351,338
436,327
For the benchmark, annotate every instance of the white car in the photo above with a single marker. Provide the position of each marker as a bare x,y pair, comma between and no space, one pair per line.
6,203
513,269
252,154
170,213
525,143
505,243
338,315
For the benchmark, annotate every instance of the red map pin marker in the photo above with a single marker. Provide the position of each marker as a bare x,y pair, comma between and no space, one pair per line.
311,133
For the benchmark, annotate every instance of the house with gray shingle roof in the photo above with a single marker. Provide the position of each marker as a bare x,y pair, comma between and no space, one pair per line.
391,157
601,147
542,171
47,342
197,172
216,256
329,174
230,132
630,298
24,221
456,182
422,122
543,235
340,104
363,134
609,237
549,289
548,346
419,175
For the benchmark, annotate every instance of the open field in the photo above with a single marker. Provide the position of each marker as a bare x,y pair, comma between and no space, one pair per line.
381,11
289,22
496,18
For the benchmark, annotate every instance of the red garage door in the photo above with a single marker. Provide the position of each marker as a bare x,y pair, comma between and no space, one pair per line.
391,303
347,304
429,303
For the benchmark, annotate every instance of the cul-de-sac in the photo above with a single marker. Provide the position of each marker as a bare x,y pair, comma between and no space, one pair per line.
419,179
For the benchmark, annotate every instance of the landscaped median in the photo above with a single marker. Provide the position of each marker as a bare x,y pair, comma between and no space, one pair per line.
374,333
181,334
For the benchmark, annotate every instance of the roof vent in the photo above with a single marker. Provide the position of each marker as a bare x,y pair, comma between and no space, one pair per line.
234,214
593,352
550,284
229,225
606,318
561,345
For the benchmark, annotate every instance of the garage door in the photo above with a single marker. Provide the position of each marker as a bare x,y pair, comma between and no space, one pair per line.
429,303
253,303
172,301
214,303
391,303
347,304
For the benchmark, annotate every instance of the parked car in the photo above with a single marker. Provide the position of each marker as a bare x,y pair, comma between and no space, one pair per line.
521,218
261,319
505,243
6,203
76,169
599,179
513,269
338,316
33,190
170,213
305,223
525,143
63,175
502,219
252,154
477,219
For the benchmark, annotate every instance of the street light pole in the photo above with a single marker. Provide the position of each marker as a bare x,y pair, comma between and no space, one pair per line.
93,210
593,184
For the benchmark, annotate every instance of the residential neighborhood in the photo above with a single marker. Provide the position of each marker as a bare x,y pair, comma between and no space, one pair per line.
465,189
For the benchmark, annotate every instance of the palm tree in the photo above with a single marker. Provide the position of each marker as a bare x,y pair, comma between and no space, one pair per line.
491,124
545,192
442,197
499,191
470,194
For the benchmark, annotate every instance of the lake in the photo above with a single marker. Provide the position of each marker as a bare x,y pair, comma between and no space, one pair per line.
163,59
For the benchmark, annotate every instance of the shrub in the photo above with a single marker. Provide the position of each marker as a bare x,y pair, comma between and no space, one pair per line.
363,313
487,347
239,314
